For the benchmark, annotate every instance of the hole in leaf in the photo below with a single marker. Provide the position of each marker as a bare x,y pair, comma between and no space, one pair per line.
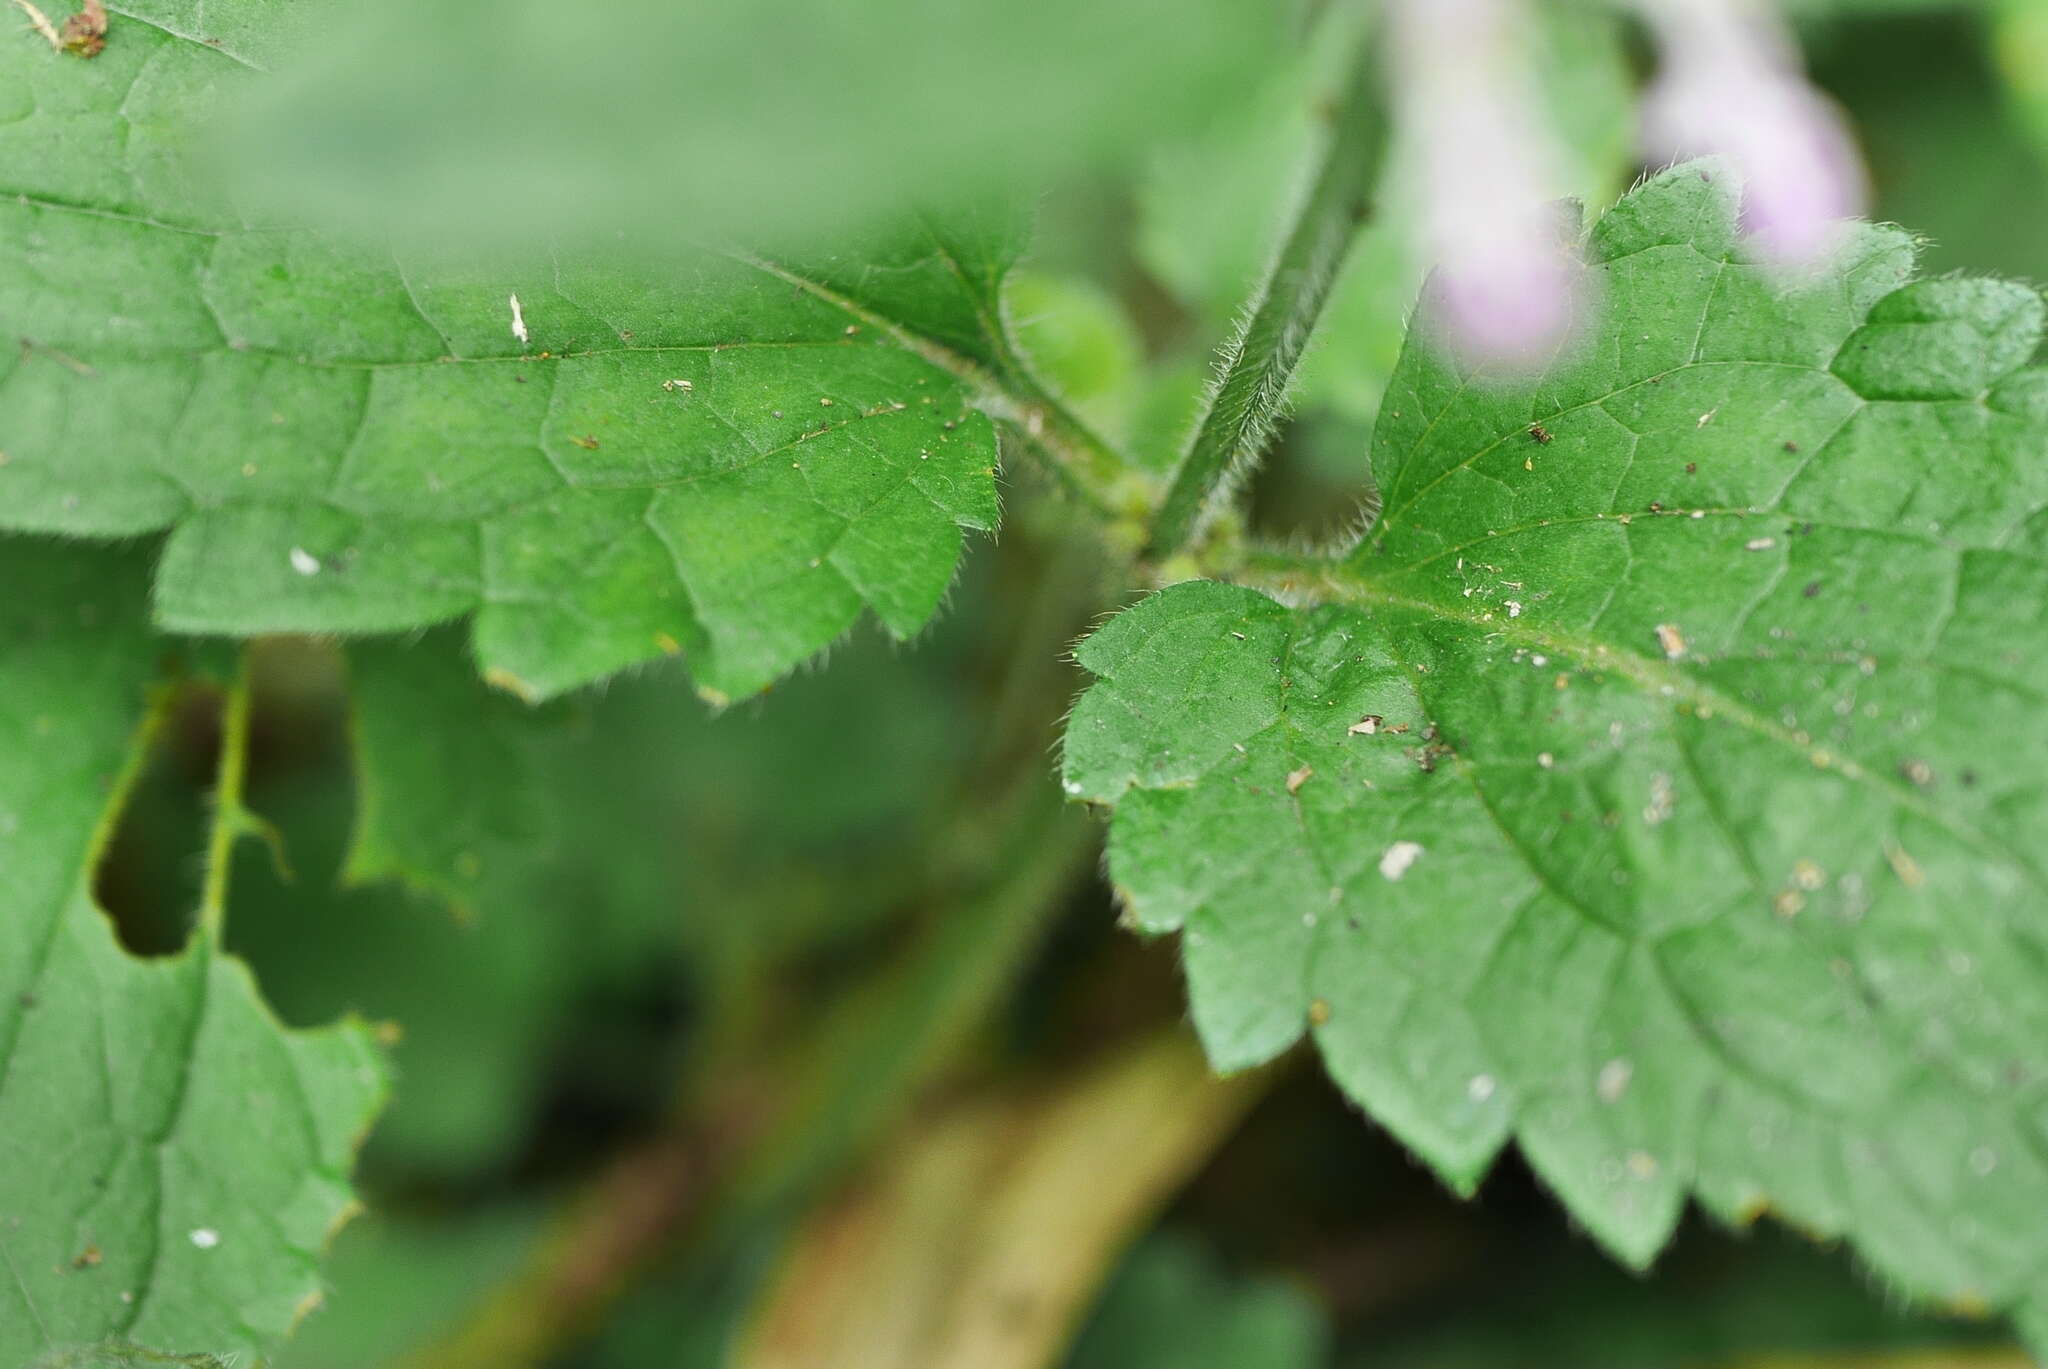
149,879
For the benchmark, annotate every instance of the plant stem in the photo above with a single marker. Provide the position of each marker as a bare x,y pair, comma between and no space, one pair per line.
231,820
980,1235
1258,363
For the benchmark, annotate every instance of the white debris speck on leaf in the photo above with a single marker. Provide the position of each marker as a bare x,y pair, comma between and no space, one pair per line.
1660,805
518,321
1298,778
205,1237
1399,857
1545,759
1480,1088
1366,726
1613,1080
1514,609
677,384
1760,544
1671,640
304,562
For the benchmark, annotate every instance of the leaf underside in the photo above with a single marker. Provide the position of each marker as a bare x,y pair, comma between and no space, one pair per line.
712,453
1659,782
171,1158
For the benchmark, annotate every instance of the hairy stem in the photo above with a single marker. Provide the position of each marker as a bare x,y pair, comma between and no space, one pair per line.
1258,364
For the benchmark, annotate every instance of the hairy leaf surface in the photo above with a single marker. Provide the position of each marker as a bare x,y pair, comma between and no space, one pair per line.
171,1159
711,453
1659,782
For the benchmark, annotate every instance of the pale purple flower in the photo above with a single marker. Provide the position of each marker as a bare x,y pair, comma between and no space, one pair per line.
1483,167
1486,168
1729,83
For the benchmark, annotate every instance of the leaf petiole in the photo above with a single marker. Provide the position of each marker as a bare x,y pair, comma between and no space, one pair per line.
1257,364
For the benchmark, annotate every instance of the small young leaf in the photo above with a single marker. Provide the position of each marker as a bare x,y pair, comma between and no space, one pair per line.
174,1160
1659,781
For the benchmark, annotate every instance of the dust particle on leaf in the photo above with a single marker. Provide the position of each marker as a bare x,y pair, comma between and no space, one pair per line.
1398,858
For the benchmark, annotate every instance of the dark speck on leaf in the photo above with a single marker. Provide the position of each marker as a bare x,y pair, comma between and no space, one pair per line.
1812,589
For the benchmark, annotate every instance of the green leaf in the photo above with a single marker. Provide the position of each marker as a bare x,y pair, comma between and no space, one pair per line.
1658,782
708,452
174,1159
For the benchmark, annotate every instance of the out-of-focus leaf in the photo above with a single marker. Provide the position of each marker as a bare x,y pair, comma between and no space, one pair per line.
2019,43
1083,342
1170,1307
451,796
1659,781
395,1280
531,116
1949,152
171,1159
977,1238
597,847
1776,1301
477,1001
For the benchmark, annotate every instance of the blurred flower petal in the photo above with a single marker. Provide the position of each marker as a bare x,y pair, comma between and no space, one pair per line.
1730,84
1485,166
